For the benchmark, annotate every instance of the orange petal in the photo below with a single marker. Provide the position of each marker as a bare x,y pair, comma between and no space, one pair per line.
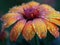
17,9
53,29
10,15
10,18
33,4
17,29
46,9
49,12
55,15
40,28
28,31
56,21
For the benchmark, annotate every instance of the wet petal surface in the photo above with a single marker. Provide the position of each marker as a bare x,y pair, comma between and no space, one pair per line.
40,28
28,31
55,21
10,19
17,9
7,16
52,28
17,29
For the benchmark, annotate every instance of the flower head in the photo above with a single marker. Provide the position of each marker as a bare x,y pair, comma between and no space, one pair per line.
31,18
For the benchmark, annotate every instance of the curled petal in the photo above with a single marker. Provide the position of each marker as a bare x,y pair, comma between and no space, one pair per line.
28,31
40,28
16,30
53,29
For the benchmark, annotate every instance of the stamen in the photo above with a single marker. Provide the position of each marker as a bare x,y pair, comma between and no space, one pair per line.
31,13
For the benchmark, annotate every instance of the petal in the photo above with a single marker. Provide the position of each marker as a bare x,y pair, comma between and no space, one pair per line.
10,18
49,12
53,29
17,9
28,31
55,21
17,29
40,28
10,15
29,5
32,4
56,15
46,9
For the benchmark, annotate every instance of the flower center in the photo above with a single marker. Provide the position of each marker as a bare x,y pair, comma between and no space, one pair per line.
31,13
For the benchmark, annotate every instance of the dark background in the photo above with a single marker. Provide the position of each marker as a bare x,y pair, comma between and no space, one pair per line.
5,5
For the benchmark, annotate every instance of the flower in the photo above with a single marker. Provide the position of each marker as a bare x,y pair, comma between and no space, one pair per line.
31,18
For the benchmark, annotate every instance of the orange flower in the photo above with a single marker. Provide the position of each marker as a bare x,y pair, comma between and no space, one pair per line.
31,18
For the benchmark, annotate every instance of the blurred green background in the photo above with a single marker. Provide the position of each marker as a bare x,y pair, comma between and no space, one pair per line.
5,5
